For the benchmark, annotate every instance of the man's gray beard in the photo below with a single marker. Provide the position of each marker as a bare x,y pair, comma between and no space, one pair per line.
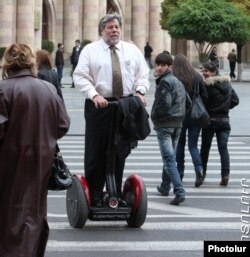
113,41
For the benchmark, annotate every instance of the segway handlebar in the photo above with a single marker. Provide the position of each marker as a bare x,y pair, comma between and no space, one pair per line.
113,103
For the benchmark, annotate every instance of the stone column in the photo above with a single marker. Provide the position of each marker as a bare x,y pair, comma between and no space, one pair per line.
90,19
127,24
102,8
59,22
72,24
155,31
7,22
139,35
25,22
38,24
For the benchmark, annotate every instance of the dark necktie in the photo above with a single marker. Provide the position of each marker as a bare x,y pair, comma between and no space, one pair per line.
116,74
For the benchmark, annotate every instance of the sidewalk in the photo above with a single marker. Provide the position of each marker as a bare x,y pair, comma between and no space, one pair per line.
239,116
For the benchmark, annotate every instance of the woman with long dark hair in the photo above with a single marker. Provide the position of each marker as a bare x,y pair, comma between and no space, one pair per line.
184,71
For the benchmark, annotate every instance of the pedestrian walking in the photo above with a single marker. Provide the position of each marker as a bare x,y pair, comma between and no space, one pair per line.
167,114
45,71
147,54
213,56
221,98
232,58
59,61
108,69
32,118
75,56
184,71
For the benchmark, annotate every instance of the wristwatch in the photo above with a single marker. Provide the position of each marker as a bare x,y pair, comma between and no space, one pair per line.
141,91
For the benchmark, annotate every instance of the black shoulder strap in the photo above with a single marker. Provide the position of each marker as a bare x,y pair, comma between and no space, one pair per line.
196,86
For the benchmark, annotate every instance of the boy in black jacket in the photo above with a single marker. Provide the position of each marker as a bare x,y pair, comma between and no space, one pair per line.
167,114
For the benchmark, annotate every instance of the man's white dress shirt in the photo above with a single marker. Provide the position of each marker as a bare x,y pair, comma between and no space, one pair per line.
93,74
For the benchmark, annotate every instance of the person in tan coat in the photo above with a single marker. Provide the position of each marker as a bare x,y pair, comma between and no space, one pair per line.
32,118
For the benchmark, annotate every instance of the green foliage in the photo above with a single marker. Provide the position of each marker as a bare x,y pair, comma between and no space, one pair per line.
2,50
167,7
207,23
48,45
85,42
243,4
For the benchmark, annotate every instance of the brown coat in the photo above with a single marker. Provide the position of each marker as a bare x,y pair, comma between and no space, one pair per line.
32,118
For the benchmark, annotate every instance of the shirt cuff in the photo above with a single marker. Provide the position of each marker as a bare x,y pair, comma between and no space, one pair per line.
92,93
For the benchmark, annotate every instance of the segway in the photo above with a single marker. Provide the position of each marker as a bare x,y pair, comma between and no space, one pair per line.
78,200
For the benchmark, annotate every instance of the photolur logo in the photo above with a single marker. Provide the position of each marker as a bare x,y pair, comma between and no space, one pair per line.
226,248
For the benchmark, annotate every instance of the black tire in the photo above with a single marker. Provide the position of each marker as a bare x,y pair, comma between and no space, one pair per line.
138,216
76,204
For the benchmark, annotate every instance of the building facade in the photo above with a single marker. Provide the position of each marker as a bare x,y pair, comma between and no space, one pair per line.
30,21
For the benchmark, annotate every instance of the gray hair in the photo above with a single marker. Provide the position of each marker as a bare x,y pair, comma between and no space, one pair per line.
107,18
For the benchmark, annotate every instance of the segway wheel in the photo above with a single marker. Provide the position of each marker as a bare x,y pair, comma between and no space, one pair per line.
76,204
139,213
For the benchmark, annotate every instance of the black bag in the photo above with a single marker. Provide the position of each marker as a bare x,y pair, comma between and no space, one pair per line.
198,112
60,178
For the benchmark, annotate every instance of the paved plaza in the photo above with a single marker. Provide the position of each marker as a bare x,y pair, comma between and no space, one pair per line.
240,115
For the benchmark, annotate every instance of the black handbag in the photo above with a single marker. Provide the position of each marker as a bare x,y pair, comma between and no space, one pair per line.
199,113
60,178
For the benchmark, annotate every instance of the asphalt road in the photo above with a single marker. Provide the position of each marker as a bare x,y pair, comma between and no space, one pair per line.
210,212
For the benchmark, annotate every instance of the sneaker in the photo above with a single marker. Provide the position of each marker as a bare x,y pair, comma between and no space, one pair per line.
199,180
162,191
177,200
224,181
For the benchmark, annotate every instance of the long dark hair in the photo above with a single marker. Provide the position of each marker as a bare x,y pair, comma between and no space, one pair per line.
184,71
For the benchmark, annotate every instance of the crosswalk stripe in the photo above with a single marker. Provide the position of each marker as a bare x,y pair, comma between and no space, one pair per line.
158,158
80,146
109,246
234,164
66,142
137,152
178,225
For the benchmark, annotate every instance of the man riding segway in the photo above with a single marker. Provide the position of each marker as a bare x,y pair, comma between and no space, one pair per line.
108,70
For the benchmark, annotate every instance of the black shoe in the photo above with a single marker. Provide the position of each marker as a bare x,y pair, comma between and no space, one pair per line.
224,181
199,179
162,191
177,200
72,86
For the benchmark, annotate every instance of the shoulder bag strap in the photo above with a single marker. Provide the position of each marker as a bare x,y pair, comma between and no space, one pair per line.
196,86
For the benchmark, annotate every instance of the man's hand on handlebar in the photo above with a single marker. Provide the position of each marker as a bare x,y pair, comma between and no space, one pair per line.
142,98
100,101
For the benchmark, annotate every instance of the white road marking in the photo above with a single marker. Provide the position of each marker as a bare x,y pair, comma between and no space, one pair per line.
179,225
111,246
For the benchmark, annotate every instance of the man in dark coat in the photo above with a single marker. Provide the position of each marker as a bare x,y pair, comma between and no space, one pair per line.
59,61
32,118
75,56
147,54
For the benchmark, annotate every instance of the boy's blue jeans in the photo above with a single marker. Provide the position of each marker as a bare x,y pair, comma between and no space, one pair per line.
168,139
